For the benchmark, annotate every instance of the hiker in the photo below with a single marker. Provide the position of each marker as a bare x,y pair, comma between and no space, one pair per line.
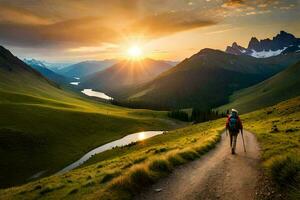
234,125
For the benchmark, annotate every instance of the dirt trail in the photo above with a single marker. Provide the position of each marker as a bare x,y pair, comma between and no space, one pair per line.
217,175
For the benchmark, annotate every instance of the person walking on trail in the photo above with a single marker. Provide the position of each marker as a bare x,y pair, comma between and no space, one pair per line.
234,125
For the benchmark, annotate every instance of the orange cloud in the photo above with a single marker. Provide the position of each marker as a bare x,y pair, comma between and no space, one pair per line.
168,23
92,31
81,25
11,14
73,32
233,3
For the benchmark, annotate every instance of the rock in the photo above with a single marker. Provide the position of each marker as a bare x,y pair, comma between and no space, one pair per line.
158,190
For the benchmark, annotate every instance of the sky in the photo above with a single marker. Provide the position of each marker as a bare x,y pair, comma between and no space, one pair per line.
76,30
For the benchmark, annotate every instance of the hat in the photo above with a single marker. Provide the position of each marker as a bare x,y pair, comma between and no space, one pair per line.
234,110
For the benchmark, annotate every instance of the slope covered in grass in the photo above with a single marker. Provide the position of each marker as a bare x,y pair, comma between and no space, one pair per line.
120,172
278,131
280,87
44,128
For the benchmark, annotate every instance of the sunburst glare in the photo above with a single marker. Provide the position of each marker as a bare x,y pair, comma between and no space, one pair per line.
135,52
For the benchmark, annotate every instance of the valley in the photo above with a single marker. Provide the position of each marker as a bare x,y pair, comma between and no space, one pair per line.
103,129
98,177
40,121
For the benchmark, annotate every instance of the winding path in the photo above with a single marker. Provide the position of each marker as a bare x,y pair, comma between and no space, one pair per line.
217,175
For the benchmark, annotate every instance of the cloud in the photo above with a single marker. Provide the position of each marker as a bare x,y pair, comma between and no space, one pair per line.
93,31
77,26
233,3
11,14
168,23
84,31
103,48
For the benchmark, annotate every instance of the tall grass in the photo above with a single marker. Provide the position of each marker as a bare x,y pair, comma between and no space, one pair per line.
285,171
277,130
121,172
142,175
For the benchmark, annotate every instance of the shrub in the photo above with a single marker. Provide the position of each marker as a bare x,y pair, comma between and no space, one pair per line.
160,165
188,154
286,170
175,159
139,177
139,160
46,190
109,176
89,183
73,191
160,150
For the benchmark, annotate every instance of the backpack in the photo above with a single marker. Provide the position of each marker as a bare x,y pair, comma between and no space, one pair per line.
233,124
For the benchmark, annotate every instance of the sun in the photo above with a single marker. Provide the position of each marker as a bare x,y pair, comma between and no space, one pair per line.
135,52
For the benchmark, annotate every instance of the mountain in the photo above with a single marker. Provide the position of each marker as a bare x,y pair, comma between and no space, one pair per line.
53,66
125,73
44,128
282,86
85,68
43,69
207,79
172,63
282,43
16,75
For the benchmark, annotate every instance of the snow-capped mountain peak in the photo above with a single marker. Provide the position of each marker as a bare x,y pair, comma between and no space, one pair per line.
282,43
34,62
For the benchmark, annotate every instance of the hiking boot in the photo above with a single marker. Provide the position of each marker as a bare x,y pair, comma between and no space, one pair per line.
232,151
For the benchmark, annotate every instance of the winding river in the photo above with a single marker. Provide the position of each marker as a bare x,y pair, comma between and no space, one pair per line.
117,143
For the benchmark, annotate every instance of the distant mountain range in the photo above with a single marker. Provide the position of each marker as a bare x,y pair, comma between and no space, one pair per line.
86,68
42,67
53,66
207,79
125,73
282,43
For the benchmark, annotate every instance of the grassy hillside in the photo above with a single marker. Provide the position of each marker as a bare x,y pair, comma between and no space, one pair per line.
207,79
120,172
280,87
43,128
278,131
123,171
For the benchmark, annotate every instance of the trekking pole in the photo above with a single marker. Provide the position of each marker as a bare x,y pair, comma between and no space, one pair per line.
243,140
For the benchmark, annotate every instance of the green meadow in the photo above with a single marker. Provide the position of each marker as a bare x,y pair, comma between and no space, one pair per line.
44,128
277,129
121,172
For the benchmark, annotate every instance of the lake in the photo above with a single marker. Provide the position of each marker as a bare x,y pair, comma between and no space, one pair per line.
117,143
91,93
